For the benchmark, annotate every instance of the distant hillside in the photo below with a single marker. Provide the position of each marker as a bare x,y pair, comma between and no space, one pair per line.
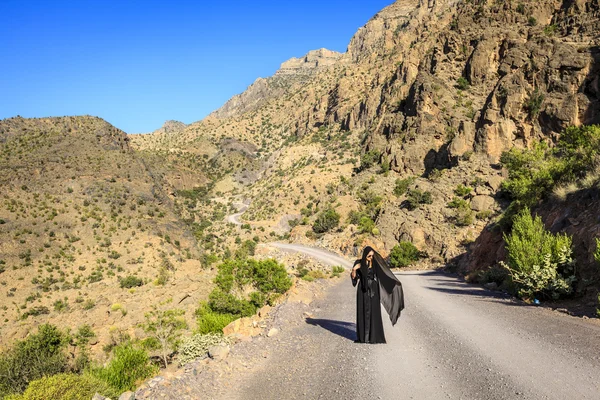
79,212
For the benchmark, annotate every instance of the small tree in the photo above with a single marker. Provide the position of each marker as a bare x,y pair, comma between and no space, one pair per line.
326,221
165,326
539,262
403,255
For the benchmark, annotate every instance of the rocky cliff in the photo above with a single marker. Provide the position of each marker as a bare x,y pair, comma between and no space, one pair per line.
292,71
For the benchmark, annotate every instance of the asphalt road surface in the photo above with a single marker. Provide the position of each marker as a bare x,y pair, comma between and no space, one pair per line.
453,341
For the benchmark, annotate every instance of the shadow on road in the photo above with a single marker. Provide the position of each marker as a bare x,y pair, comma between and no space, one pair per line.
344,329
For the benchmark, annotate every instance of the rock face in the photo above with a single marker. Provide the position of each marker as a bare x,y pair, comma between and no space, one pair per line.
310,63
264,89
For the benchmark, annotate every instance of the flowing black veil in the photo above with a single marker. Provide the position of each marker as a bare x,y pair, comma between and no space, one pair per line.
391,294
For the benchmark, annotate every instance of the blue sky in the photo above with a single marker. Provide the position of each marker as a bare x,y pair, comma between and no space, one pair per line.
139,63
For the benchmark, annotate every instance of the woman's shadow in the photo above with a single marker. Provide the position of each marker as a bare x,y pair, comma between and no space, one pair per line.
344,329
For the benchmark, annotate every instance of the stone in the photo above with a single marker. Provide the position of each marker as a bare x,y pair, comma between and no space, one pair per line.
495,182
491,285
218,352
482,203
98,396
127,396
243,327
273,332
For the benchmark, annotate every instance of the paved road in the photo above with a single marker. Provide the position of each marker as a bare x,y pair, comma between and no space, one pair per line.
235,218
322,255
453,341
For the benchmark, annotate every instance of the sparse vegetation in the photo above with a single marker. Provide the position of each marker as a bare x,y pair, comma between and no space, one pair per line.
532,174
533,105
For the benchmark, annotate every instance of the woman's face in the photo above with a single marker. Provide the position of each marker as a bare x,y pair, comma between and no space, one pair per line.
370,256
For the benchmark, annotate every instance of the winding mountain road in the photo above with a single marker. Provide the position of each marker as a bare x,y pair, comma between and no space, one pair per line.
235,218
453,341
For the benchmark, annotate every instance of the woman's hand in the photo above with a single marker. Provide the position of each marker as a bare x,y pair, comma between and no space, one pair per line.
353,273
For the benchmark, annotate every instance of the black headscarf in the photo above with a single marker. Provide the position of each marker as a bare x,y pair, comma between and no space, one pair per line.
390,293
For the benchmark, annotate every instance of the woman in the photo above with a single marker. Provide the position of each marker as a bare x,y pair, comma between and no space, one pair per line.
377,284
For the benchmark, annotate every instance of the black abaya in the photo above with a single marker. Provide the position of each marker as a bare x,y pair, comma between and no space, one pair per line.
377,285
369,326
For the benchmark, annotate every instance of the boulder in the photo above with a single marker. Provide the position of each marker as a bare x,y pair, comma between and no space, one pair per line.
494,182
218,352
481,203
127,396
246,326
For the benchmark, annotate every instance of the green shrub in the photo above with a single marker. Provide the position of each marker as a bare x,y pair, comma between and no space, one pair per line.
403,255
531,174
458,203
462,191
211,322
247,249
337,270
227,303
496,274
539,263
270,277
67,387
372,203
366,225
197,346
326,221
402,185
35,311
532,21
130,282
462,83
550,30
534,173
483,215
369,159
128,366
417,197
533,105
464,216
355,216
41,354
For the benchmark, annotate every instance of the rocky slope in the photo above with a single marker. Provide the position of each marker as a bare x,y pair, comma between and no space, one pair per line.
80,211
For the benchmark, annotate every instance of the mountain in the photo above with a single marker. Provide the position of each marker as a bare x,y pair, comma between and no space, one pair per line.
435,91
